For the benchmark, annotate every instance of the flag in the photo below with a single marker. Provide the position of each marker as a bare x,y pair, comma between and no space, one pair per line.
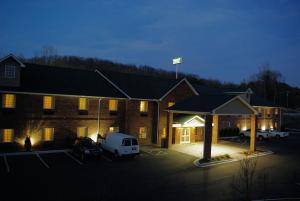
177,60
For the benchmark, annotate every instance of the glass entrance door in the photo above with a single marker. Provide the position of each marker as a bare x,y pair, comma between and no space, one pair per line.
185,135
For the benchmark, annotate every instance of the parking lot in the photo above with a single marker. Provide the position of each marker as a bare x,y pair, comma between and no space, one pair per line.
156,174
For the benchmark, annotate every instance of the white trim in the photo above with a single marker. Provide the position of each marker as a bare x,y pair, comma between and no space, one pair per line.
176,85
194,117
106,78
239,98
14,57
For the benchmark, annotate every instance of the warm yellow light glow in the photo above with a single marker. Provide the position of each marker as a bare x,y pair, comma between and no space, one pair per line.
164,133
9,100
48,134
82,104
143,132
244,128
113,105
94,137
144,106
263,128
81,131
170,104
113,129
8,135
48,102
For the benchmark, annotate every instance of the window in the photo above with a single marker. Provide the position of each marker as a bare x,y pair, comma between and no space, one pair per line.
7,135
48,134
164,133
8,100
143,106
143,133
48,103
113,129
9,71
113,105
83,104
82,131
170,104
276,111
126,142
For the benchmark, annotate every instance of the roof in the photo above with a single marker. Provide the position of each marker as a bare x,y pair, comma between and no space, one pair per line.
259,101
183,118
14,58
205,103
57,80
141,86
204,89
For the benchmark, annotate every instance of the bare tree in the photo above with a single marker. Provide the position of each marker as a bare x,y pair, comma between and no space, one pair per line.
242,184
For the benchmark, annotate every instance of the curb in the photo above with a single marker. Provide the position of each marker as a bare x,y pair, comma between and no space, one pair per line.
210,164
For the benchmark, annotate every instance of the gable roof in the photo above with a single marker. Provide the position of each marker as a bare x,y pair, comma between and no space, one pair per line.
143,86
65,81
14,58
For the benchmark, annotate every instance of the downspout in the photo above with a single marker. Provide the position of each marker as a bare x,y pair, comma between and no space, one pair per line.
157,128
98,129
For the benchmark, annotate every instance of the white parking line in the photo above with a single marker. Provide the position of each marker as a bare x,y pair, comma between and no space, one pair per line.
80,163
6,164
42,160
106,158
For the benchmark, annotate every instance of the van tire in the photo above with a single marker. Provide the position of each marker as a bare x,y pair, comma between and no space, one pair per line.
116,154
260,138
277,136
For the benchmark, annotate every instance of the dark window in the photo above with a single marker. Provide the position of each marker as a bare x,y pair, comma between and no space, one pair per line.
126,142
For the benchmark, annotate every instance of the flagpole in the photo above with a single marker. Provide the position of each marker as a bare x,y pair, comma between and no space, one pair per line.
176,71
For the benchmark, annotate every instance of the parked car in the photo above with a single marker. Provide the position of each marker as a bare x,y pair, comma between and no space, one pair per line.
85,147
260,134
278,134
120,144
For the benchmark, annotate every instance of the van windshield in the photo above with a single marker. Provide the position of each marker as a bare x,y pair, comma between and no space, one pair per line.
134,142
126,142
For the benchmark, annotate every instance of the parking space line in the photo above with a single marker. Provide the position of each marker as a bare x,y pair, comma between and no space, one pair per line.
6,163
107,159
68,154
42,160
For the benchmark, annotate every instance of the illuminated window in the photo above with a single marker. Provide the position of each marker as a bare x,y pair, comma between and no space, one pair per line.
8,100
164,133
114,129
170,104
143,106
82,131
7,135
48,134
48,102
143,133
10,71
113,105
276,111
83,104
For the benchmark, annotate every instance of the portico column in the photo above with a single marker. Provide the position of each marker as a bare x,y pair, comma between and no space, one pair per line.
169,129
253,133
215,131
207,138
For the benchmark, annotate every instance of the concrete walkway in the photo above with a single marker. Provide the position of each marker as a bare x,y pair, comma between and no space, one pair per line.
196,149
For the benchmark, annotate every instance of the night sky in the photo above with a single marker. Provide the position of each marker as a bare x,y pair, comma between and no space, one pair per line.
221,39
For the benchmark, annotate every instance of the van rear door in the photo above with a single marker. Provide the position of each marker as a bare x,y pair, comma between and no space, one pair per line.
135,146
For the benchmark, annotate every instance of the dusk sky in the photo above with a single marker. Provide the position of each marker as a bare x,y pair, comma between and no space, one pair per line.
221,39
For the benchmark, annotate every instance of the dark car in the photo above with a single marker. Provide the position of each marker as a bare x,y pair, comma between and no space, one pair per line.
85,147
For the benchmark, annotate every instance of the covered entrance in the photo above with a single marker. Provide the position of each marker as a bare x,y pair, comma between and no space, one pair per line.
206,110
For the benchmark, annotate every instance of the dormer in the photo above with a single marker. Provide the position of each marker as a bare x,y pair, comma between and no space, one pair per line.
10,71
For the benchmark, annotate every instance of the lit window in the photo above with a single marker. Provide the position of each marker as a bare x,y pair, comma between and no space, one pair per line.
8,135
113,105
9,101
170,104
276,111
114,129
164,133
82,131
83,104
48,134
48,102
143,133
143,106
9,71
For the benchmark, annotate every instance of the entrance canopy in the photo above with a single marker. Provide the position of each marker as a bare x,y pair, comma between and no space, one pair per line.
188,121
219,104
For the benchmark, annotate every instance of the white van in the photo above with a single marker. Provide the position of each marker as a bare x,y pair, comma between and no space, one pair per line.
120,144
